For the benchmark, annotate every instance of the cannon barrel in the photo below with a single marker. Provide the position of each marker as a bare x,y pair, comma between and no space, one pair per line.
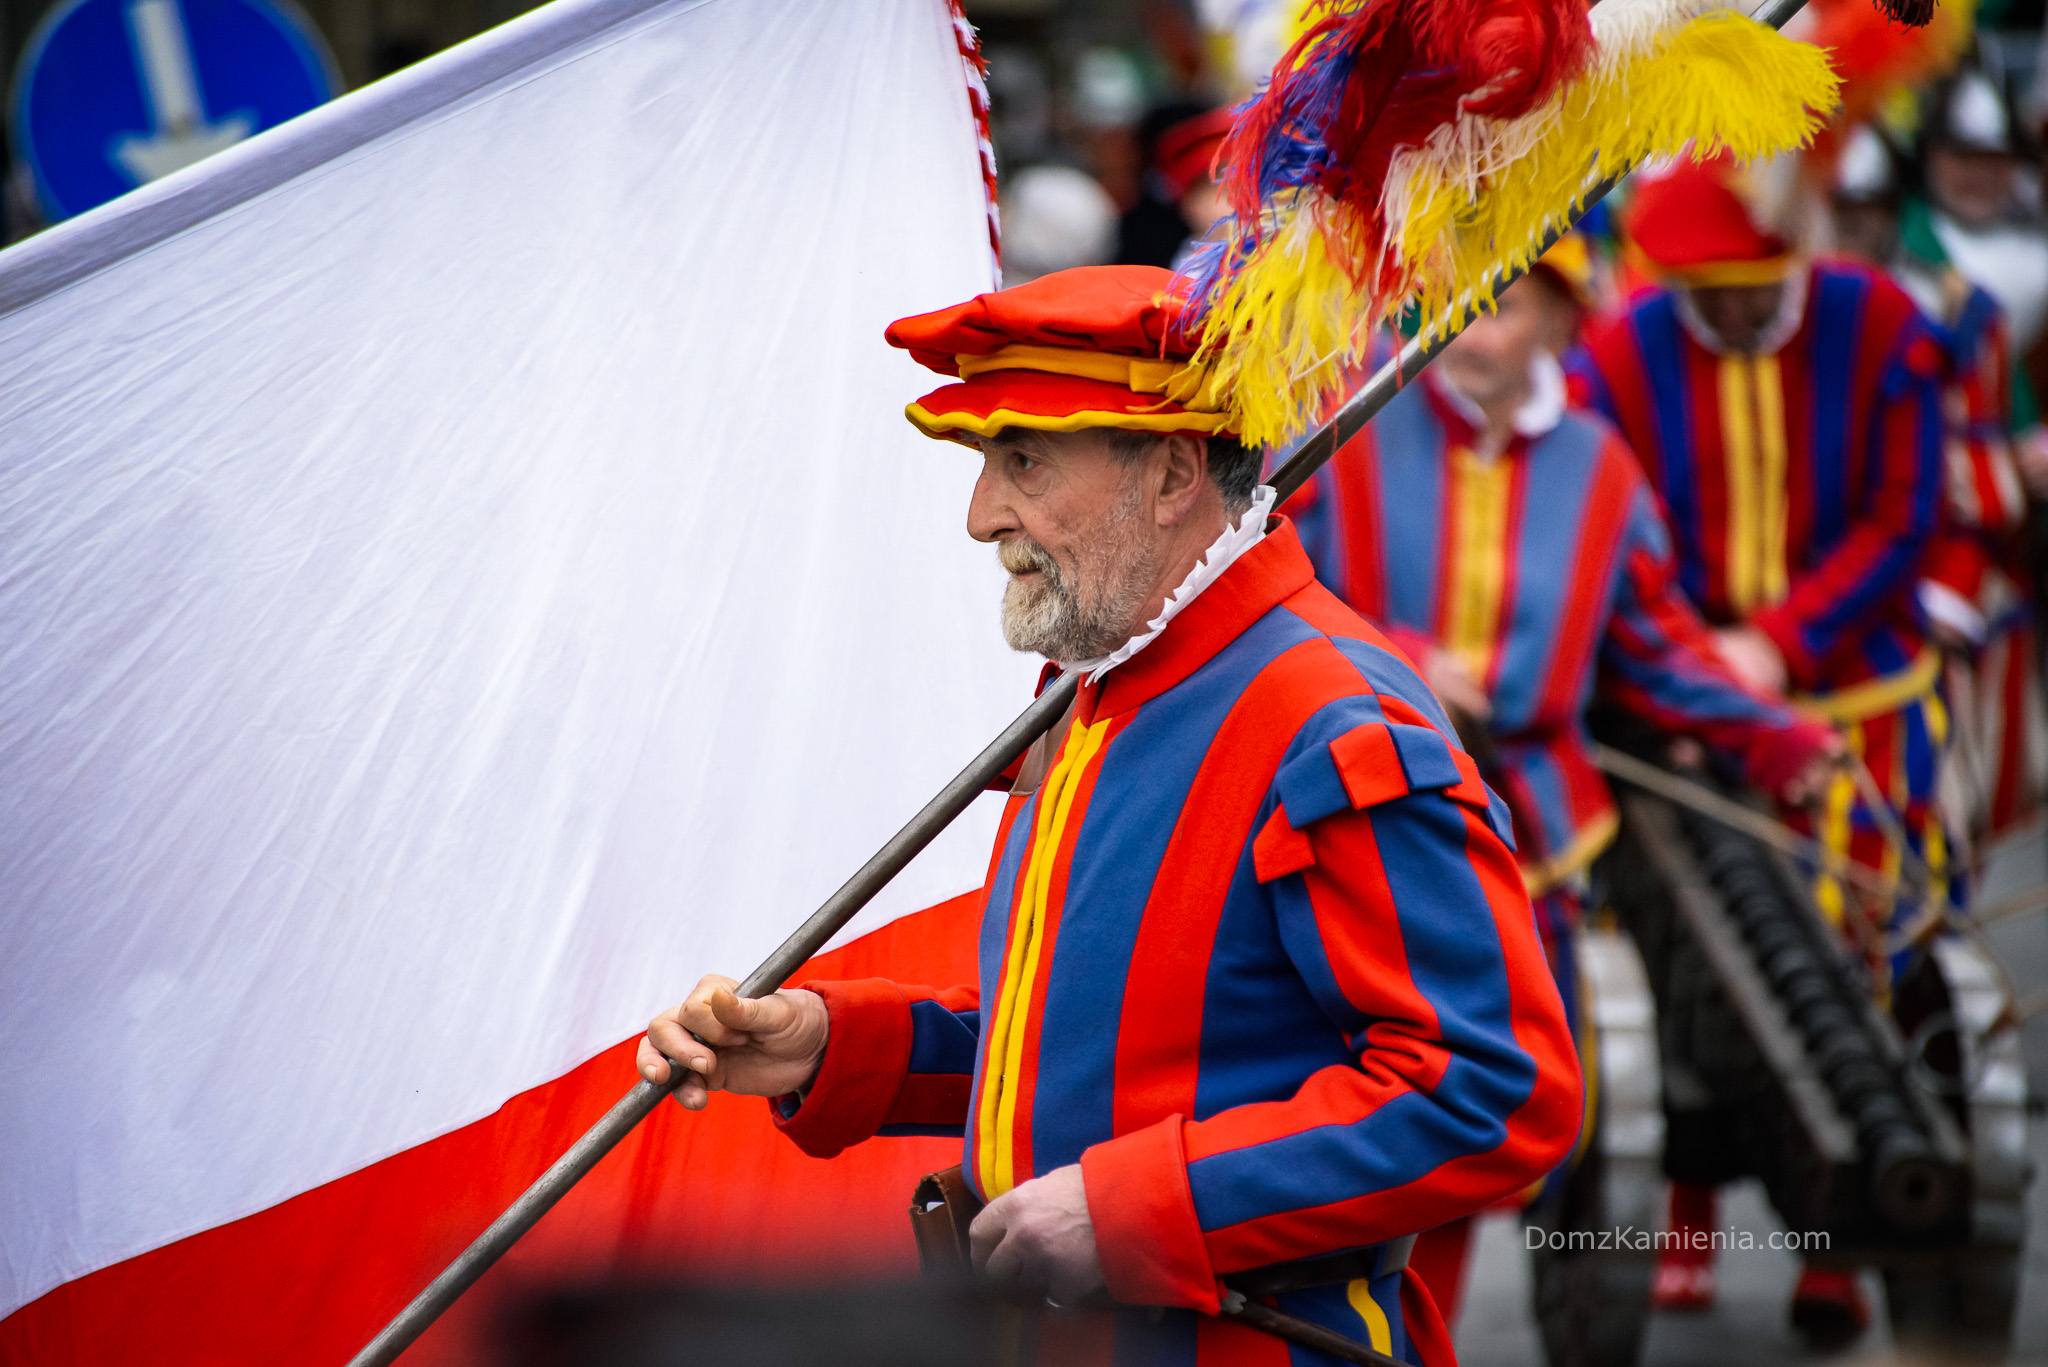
1828,1110
1913,1182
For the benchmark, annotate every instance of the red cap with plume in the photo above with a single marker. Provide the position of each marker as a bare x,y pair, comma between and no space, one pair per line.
1693,227
1095,346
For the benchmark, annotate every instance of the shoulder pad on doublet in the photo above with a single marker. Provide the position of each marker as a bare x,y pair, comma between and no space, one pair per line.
1372,763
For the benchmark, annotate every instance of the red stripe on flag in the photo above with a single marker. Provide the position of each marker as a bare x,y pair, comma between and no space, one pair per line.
716,1195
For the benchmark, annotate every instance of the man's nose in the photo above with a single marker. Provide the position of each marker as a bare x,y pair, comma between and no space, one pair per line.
988,515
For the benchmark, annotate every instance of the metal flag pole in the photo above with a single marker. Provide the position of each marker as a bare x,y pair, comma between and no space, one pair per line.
841,907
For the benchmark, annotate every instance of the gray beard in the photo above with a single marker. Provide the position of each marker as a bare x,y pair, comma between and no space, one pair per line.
1093,612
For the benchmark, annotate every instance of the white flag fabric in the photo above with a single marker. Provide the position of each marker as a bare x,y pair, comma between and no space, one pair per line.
464,573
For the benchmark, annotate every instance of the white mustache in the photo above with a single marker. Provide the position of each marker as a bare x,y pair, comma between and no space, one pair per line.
1022,556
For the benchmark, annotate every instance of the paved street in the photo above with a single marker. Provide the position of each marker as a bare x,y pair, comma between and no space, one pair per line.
1748,1326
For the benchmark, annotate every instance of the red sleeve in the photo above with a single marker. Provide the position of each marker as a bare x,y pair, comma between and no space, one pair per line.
872,1075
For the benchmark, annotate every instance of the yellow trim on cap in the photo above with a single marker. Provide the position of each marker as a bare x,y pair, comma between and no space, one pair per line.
1183,382
1722,274
943,426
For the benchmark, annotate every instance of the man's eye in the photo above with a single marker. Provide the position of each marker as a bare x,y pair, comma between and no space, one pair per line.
1024,464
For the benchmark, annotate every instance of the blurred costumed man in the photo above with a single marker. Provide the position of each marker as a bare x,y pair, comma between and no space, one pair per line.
1259,980
1974,589
1788,413
1513,549
1973,153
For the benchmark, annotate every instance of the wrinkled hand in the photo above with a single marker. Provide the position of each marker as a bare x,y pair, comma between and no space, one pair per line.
762,1046
1039,1238
1455,687
1754,658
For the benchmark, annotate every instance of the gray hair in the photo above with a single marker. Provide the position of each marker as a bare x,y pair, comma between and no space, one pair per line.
1234,466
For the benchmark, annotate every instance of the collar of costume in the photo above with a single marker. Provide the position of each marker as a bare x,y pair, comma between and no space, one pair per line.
1263,578
1538,415
1783,327
1247,532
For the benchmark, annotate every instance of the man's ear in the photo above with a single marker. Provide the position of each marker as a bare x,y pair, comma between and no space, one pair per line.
1183,466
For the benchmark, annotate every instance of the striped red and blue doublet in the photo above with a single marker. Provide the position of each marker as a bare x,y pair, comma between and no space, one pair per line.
1803,489
1979,562
1256,955
1543,569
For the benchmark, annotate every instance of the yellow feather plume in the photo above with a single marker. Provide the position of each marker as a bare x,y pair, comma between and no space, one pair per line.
1482,194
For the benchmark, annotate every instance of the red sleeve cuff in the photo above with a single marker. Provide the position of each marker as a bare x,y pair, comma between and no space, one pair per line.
867,1055
1783,629
1775,756
1146,1231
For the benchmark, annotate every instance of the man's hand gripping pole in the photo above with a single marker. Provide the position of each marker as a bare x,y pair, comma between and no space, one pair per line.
939,813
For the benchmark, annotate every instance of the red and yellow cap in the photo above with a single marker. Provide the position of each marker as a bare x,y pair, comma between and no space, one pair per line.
1094,346
1691,226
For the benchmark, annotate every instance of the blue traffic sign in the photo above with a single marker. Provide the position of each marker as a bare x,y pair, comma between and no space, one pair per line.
112,94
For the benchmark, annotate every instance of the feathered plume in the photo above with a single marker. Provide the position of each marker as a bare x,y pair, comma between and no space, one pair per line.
1405,149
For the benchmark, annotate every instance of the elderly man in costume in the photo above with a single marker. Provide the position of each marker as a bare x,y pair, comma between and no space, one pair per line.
1259,980
1788,414
1513,549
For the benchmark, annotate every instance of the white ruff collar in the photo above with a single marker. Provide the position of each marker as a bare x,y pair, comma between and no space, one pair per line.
1222,553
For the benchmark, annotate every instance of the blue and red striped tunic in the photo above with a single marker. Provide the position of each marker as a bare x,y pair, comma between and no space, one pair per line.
1804,490
1802,487
1545,569
1256,954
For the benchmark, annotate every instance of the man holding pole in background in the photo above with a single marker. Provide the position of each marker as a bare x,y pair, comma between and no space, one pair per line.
1259,978
1788,414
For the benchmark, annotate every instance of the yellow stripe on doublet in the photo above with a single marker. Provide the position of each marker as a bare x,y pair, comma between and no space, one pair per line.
1753,450
1378,1332
995,1124
1479,490
1772,496
1838,804
1738,455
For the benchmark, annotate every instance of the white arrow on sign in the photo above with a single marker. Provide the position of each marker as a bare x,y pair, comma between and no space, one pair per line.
182,135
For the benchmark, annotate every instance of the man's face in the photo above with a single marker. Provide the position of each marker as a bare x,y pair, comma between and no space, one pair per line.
1071,524
1866,229
1976,188
1489,361
1739,314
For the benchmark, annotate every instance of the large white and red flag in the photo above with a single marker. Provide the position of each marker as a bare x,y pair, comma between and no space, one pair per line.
463,574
